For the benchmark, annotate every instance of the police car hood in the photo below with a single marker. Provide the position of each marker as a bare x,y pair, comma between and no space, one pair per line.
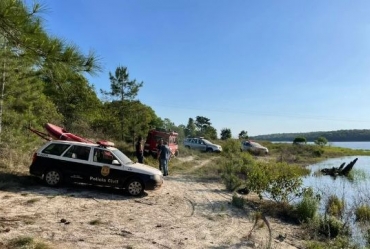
142,168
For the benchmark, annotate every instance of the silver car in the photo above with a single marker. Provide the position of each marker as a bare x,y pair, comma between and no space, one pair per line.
202,145
253,147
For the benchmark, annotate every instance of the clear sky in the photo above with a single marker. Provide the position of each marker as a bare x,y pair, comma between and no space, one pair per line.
260,66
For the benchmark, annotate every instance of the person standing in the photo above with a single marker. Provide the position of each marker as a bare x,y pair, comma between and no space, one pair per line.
159,146
139,150
164,156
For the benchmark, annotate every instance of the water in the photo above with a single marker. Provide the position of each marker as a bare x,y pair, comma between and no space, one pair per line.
354,191
350,145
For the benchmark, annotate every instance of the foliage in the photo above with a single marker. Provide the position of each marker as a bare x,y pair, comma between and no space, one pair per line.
225,134
299,140
321,141
339,242
362,213
234,168
238,201
231,147
278,181
230,174
330,226
202,123
334,206
124,90
243,135
307,208
210,132
190,128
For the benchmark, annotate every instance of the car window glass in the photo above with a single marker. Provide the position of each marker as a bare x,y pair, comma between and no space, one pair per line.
55,149
103,156
123,158
78,152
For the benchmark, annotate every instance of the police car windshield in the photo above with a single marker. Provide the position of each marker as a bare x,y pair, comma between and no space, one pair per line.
122,156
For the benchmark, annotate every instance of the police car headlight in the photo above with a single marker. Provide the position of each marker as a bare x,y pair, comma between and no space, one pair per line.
156,178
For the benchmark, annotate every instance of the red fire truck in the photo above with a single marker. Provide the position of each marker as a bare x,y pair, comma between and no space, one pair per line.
153,138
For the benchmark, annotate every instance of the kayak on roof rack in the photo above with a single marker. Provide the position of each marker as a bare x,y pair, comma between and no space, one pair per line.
55,132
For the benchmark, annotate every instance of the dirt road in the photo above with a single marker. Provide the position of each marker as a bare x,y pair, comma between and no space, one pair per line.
183,213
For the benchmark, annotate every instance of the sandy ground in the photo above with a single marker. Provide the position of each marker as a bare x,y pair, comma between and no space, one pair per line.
183,213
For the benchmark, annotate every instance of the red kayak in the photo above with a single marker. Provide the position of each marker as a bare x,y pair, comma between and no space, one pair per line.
57,132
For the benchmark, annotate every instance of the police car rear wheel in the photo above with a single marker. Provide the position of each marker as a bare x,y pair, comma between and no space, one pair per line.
53,178
135,187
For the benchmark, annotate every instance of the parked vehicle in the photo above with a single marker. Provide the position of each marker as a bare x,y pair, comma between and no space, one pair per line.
154,135
253,147
60,161
202,145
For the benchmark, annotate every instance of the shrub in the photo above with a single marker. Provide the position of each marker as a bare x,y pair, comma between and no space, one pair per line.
230,176
330,226
318,152
234,170
279,181
231,146
306,209
321,141
362,213
238,201
334,206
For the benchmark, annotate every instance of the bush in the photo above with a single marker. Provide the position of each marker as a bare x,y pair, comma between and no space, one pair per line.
330,226
306,209
334,206
234,170
318,152
238,201
362,213
231,146
230,175
279,181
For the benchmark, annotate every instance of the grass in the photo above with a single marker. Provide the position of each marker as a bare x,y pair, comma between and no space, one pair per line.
362,213
25,242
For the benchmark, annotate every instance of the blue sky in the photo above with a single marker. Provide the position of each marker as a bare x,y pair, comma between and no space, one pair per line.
260,66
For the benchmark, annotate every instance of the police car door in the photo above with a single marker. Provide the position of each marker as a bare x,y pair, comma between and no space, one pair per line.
107,169
76,163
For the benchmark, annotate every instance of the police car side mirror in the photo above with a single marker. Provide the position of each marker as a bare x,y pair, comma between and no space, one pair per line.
115,162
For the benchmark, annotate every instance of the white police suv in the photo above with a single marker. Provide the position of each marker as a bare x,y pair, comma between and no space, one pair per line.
97,164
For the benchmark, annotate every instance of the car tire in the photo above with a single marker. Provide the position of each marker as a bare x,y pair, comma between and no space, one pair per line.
209,150
135,187
53,178
188,147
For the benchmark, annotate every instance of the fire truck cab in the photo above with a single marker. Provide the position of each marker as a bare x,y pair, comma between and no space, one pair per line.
152,140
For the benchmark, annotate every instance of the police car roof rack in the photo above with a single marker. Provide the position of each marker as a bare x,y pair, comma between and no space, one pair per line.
41,134
104,143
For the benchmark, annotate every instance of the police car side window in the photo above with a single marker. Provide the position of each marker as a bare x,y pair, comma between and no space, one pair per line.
103,156
55,149
78,152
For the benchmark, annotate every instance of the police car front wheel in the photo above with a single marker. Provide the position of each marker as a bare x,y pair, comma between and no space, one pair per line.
134,187
53,177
